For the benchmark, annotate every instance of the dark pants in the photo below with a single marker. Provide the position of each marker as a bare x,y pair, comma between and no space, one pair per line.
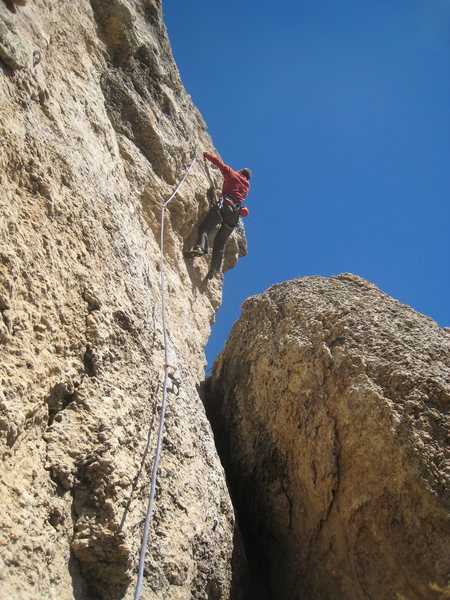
228,217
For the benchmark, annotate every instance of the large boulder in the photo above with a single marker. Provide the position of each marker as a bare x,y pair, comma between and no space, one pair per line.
330,402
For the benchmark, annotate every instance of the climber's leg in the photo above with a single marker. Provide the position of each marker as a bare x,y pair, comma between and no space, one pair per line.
218,247
211,220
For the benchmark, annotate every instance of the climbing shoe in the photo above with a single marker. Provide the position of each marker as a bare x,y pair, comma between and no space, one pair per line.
197,251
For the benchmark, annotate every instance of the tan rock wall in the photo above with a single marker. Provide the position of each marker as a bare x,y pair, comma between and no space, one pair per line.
331,405
95,131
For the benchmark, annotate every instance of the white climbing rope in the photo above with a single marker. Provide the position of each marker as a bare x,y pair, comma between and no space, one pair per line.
167,367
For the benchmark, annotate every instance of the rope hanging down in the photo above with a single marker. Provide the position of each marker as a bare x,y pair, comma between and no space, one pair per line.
167,368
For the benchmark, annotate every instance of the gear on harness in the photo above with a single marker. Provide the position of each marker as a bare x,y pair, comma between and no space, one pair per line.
227,200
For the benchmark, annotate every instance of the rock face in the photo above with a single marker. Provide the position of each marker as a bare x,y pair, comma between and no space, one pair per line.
330,397
96,130
331,405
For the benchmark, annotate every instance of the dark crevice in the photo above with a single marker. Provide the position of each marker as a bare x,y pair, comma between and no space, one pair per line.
89,362
123,321
58,399
52,412
254,580
10,5
5,68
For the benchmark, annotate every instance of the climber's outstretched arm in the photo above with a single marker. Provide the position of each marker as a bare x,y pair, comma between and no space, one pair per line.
215,160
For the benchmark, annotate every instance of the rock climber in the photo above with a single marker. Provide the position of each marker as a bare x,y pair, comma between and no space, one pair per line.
226,211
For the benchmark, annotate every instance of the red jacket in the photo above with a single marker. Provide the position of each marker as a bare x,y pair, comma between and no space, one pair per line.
234,183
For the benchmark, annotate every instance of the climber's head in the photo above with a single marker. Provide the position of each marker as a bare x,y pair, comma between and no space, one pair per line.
246,173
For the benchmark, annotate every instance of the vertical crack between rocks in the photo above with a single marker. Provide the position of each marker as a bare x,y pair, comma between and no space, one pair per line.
256,583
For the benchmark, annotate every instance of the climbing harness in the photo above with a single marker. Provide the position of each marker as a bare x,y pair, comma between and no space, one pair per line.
229,201
168,374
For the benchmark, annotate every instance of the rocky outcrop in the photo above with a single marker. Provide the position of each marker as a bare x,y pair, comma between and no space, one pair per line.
330,398
96,129
330,402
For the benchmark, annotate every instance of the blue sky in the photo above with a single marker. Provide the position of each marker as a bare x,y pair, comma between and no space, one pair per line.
341,109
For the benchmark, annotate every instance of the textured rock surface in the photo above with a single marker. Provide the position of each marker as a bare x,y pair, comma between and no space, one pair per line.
95,130
331,401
